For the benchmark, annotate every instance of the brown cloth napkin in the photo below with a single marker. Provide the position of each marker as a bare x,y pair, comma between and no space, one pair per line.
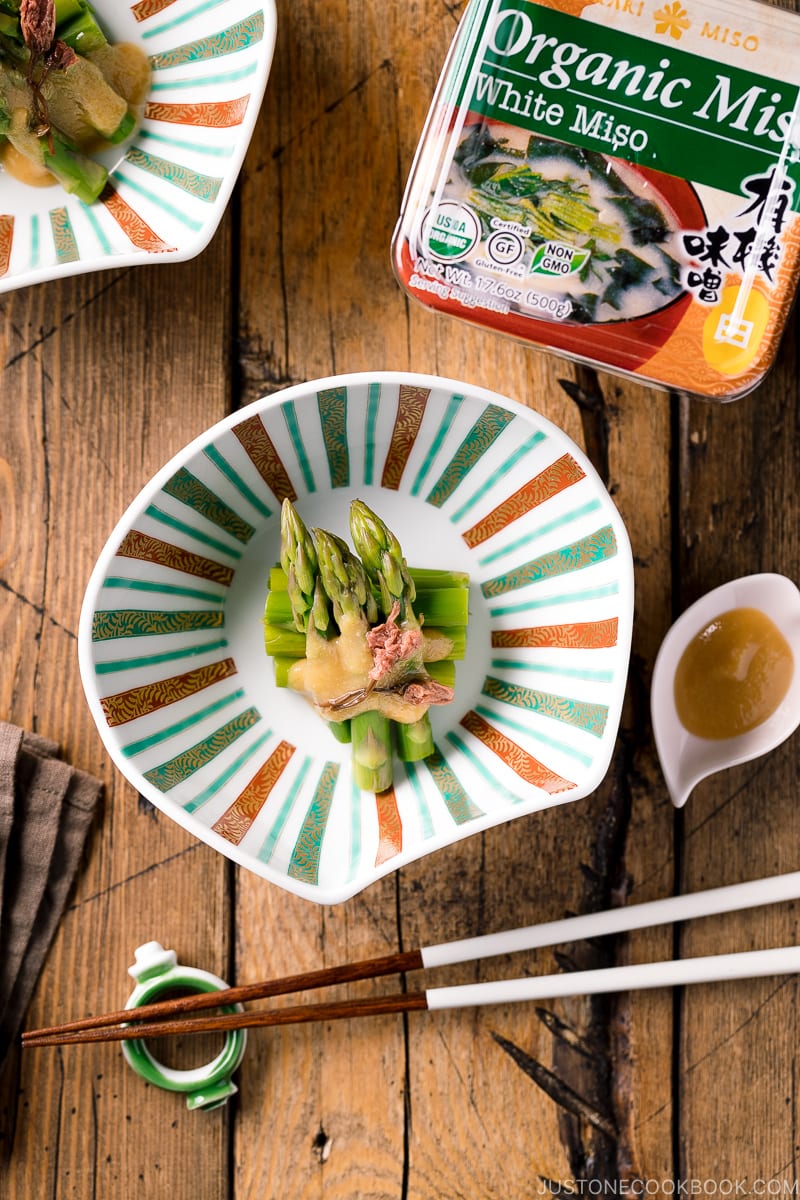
46,809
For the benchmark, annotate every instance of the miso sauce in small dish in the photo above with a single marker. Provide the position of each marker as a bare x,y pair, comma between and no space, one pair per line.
618,183
726,683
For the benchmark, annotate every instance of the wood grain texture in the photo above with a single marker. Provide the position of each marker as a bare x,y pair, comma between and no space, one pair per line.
471,1122
105,388
740,466
104,377
737,514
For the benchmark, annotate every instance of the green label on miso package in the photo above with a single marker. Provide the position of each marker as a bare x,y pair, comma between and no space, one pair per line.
626,96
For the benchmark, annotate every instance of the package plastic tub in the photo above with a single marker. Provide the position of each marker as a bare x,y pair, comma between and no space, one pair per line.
616,181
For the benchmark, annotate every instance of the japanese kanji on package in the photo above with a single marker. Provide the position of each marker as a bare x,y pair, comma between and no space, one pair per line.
617,181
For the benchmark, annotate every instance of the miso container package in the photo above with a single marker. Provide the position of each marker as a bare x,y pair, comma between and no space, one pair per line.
616,181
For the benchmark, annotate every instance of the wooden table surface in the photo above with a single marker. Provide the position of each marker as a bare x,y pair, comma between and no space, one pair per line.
104,377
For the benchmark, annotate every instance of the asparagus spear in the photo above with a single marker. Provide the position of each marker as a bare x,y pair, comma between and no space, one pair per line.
443,607
371,737
77,25
436,577
319,571
82,83
299,561
414,739
67,9
77,173
383,559
384,562
280,642
341,730
79,84
425,580
310,608
345,582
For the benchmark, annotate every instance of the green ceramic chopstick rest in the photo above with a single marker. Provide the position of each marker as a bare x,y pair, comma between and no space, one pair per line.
157,971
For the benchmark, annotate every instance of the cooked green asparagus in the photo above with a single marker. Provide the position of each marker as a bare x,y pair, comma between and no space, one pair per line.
368,677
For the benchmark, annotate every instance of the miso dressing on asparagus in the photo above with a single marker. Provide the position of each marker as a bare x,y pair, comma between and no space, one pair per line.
369,642
65,93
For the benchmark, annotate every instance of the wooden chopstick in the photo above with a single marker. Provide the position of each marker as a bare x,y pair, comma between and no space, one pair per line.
370,1006
368,968
733,897
782,960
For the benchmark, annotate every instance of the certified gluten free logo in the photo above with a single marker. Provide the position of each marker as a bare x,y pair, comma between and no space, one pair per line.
450,230
505,248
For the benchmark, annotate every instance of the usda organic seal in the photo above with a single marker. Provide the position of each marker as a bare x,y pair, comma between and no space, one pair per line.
449,231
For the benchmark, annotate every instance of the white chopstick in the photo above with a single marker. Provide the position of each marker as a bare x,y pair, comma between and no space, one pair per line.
677,972
713,968
731,898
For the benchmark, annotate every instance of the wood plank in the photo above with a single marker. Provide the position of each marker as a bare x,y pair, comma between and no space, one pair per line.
437,1105
492,1103
738,467
738,472
110,374
738,1040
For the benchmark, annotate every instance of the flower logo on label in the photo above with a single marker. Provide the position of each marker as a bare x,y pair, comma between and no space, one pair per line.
672,19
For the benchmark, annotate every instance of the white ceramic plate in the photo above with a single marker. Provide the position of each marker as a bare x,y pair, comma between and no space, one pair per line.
169,186
171,641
